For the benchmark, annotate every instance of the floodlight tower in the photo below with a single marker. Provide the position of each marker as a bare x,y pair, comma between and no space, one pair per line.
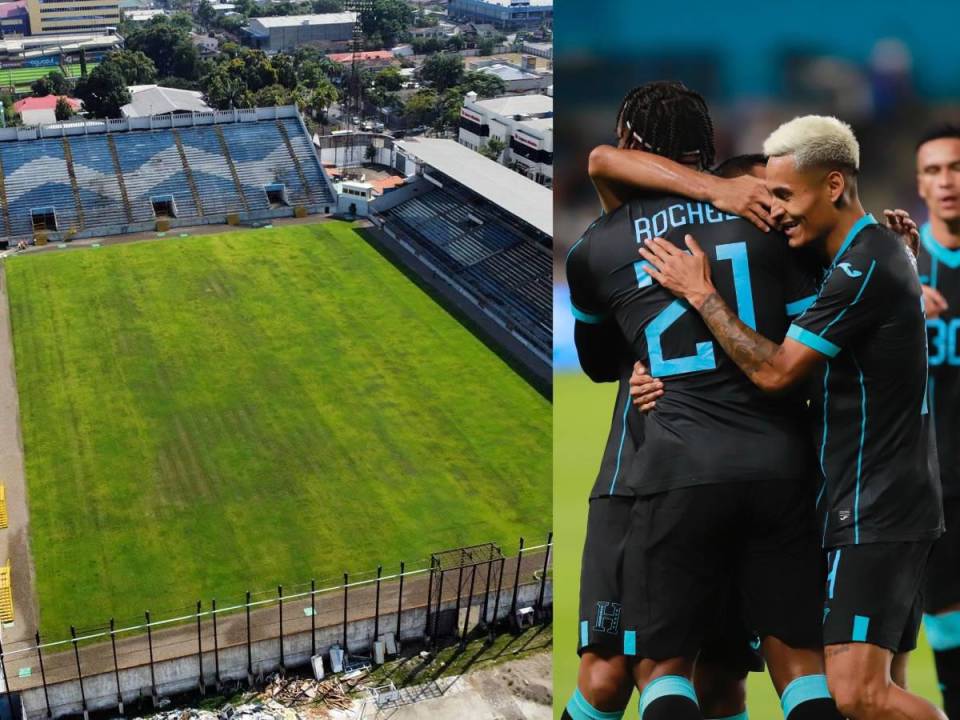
355,102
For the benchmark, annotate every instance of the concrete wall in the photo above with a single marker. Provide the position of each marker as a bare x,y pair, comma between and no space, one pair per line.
182,674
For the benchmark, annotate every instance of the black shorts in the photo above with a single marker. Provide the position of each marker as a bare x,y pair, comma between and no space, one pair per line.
941,583
874,594
687,546
601,576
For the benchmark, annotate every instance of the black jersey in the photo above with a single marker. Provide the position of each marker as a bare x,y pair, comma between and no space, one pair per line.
605,357
712,424
940,268
876,447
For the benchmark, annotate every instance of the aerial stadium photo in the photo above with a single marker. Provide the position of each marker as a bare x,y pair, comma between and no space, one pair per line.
756,230
276,361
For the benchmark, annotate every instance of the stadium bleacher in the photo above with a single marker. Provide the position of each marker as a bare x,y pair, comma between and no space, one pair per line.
99,178
509,269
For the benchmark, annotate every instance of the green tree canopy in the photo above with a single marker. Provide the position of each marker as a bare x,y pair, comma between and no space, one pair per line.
103,91
168,46
444,70
387,20
62,111
135,67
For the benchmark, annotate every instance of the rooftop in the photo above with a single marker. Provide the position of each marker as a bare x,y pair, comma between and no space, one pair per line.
505,188
148,100
507,72
517,105
537,124
47,102
296,20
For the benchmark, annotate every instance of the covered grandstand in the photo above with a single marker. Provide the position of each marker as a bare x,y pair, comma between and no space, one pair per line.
486,230
94,178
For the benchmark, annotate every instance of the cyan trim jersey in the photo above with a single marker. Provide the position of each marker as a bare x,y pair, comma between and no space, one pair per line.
876,448
939,268
712,424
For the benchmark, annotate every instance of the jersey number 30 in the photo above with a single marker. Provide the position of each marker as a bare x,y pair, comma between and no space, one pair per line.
703,358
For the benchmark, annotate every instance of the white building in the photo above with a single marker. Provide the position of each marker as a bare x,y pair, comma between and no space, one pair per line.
524,123
147,100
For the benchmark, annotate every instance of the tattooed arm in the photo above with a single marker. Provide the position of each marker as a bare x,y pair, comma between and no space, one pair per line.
770,366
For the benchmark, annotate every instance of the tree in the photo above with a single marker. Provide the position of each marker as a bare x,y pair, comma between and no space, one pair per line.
206,15
63,110
486,46
387,19
456,43
327,6
388,79
168,46
421,107
444,70
485,85
285,69
41,87
322,97
59,85
224,91
103,91
492,148
135,67
370,153
272,95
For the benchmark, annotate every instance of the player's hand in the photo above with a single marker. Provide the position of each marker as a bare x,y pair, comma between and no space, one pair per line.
934,302
685,274
745,196
903,225
644,389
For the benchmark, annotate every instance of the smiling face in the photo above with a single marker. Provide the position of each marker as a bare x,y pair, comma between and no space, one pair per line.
803,200
938,177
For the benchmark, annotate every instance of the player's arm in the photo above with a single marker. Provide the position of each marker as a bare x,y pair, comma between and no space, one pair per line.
599,349
613,169
773,367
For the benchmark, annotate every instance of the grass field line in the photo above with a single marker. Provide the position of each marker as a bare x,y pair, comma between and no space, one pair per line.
15,539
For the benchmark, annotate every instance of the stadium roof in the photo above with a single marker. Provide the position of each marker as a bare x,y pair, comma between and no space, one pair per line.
277,21
518,105
509,190
148,100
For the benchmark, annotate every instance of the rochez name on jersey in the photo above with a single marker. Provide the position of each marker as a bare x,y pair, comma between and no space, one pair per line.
674,216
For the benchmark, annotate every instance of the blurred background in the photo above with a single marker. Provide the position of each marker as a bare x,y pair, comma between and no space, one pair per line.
888,70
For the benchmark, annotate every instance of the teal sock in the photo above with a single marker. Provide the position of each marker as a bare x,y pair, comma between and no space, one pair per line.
579,709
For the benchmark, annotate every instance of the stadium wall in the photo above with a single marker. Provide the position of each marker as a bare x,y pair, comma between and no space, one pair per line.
182,675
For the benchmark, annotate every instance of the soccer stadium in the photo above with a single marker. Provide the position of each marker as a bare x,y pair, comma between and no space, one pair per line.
246,425
756,70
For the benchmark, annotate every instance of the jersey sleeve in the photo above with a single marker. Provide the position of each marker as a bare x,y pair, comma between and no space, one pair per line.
601,349
584,300
846,306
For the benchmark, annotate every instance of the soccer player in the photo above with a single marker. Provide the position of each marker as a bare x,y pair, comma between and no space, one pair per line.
605,682
722,476
938,181
864,339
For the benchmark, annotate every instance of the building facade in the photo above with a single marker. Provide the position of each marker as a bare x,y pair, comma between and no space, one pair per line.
66,17
328,31
524,124
504,14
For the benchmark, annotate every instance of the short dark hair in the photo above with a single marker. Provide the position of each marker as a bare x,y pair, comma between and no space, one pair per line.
739,165
669,119
936,132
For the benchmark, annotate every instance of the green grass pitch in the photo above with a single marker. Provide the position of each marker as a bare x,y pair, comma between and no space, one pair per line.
582,413
22,77
209,414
